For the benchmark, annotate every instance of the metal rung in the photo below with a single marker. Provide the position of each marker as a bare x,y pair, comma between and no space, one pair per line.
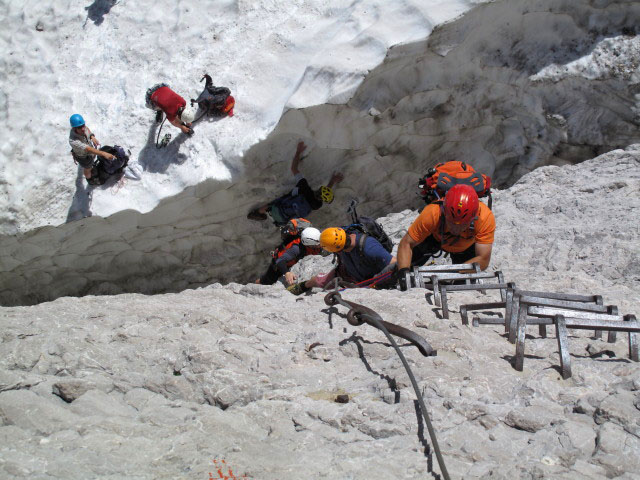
561,307
487,321
619,325
574,302
484,286
550,302
459,288
479,306
626,323
435,281
597,299
461,276
446,268
553,311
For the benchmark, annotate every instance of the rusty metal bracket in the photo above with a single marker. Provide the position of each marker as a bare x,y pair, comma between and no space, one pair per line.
503,287
574,313
507,304
469,278
420,276
563,346
359,314
625,323
592,303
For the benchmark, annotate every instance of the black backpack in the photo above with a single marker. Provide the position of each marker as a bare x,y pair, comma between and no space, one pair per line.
104,169
370,228
212,98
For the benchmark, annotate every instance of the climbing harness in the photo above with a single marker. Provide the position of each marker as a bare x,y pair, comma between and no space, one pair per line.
359,314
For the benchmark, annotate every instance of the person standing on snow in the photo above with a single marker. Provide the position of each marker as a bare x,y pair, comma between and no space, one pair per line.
161,98
84,145
301,201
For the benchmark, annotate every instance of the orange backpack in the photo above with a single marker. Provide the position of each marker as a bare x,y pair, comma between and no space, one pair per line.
293,228
434,185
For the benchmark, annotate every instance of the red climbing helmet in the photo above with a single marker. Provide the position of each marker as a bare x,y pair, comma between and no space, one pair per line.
461,205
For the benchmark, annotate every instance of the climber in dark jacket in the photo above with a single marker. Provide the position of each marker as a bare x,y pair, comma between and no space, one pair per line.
301,201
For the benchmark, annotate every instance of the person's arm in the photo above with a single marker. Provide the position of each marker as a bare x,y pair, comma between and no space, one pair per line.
100,153
391,266
336,177
92,138
297,158
292,253
483,255
176,122
405,251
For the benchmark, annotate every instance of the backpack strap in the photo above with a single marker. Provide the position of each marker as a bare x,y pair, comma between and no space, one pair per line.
363,238
446,181
442,223
360,247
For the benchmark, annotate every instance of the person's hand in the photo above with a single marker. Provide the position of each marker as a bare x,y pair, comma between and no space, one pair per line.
290,278
186,129
337,177
108,156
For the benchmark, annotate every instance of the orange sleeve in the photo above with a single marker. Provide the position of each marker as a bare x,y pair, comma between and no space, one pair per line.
426,223
485,226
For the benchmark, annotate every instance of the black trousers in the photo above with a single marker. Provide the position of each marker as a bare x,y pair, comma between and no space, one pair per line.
430,248
271,276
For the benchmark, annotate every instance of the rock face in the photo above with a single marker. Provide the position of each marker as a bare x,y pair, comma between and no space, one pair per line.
508,87
252,380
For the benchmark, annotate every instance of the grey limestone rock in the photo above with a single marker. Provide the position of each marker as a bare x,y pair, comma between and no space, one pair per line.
530,419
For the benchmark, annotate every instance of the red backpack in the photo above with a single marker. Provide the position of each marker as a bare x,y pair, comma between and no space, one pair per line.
434,185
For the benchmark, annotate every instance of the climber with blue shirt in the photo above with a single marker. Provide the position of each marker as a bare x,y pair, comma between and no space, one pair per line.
361,259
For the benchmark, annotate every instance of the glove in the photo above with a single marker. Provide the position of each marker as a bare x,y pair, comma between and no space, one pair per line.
402,278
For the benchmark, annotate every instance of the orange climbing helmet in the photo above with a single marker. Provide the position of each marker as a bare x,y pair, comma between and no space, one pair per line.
333,239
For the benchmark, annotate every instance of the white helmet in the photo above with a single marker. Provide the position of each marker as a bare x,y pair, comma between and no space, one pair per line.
310,237
188,114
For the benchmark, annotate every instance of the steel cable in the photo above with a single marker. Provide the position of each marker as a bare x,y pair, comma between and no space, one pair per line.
378,324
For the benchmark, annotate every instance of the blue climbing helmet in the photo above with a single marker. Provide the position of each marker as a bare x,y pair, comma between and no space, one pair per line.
76,120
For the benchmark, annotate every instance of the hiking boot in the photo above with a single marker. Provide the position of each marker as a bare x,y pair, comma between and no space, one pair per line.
158,116
297,288
256,215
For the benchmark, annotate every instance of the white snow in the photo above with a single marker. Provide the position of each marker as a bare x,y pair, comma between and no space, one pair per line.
617,57
65,57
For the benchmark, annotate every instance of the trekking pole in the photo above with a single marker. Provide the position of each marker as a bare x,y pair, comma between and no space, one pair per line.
165,140
352,210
